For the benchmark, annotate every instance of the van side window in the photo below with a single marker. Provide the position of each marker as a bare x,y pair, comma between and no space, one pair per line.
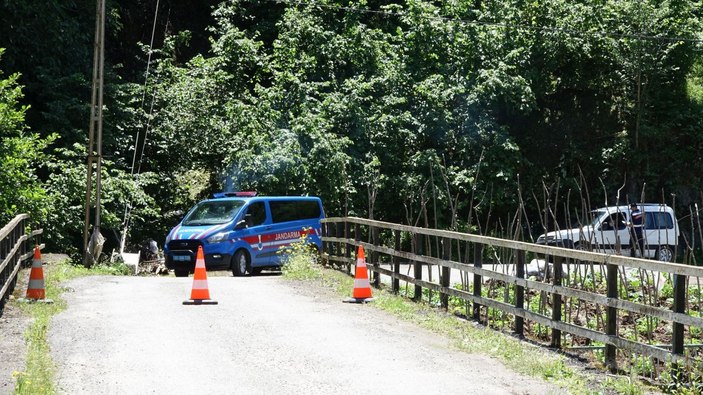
620,221
614,221
293,210
258,213
656,220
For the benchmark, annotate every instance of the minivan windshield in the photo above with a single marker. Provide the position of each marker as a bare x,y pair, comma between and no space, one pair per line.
213,212
595,217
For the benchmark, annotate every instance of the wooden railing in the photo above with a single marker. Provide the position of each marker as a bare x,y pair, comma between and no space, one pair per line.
488,275
16,248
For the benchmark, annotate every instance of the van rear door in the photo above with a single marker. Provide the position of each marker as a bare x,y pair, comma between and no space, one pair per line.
659,228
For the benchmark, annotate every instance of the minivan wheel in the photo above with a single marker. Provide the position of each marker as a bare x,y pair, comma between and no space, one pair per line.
665,254
580,247
240,263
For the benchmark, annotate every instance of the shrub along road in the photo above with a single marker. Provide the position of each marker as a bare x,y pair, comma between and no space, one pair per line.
133,335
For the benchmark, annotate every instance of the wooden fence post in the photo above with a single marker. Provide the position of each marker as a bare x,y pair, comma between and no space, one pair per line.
611,317
4,273
347,248
520,293
374,256
419,249
478,263
338,233
677,339
333,233
325,244
27,246
17,233
556,301
396,262
446,271
357,239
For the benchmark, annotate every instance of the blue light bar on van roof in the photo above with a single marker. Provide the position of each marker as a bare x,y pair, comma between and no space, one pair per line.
219,195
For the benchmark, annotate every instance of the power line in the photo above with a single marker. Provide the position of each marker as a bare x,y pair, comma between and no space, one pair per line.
128,205
570,32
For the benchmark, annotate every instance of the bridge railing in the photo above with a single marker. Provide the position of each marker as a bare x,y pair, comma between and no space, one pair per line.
633,309
16,249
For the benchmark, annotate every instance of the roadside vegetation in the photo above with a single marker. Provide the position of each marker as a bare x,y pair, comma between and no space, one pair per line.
39,373
301,262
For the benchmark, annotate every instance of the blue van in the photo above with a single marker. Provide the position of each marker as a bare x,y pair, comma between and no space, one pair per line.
242,232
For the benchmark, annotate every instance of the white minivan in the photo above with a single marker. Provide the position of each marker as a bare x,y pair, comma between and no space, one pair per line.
609,227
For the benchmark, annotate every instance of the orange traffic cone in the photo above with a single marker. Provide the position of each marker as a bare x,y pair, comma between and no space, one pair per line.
200,293
362,287
35,288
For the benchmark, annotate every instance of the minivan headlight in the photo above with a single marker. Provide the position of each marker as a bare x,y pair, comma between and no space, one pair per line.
218,237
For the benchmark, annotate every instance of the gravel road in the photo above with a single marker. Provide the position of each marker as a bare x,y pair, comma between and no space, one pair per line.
129,335
13,350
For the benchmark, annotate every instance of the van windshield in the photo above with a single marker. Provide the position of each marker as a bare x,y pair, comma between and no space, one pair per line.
213,212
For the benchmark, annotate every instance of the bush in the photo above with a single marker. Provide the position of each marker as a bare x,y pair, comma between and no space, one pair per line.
301,261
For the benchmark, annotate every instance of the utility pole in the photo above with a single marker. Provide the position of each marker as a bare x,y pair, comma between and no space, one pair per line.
92,249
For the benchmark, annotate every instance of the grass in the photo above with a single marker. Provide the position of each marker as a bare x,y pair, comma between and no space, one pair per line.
39,374
519,356
300,263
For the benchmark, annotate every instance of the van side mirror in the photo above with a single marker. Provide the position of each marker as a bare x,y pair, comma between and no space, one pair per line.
244,222
241,224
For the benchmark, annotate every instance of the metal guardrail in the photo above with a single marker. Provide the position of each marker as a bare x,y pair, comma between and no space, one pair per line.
16,249
471,255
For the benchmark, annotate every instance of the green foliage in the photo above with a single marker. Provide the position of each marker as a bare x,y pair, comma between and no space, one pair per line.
642,366
21,153
66,189
682,381
112,269
51,43
695,83
300,261
416,112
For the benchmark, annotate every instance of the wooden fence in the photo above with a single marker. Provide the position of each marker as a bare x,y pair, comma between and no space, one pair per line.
16,248
589,299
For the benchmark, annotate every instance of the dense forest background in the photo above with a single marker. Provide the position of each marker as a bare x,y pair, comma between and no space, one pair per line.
451,114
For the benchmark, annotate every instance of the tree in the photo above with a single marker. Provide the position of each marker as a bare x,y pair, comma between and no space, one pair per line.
21,154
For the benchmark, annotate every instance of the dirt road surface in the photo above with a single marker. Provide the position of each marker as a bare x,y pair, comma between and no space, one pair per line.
132,335
13,349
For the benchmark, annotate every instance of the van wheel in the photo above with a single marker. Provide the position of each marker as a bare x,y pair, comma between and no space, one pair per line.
580,246
180,272
665,254
240,263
